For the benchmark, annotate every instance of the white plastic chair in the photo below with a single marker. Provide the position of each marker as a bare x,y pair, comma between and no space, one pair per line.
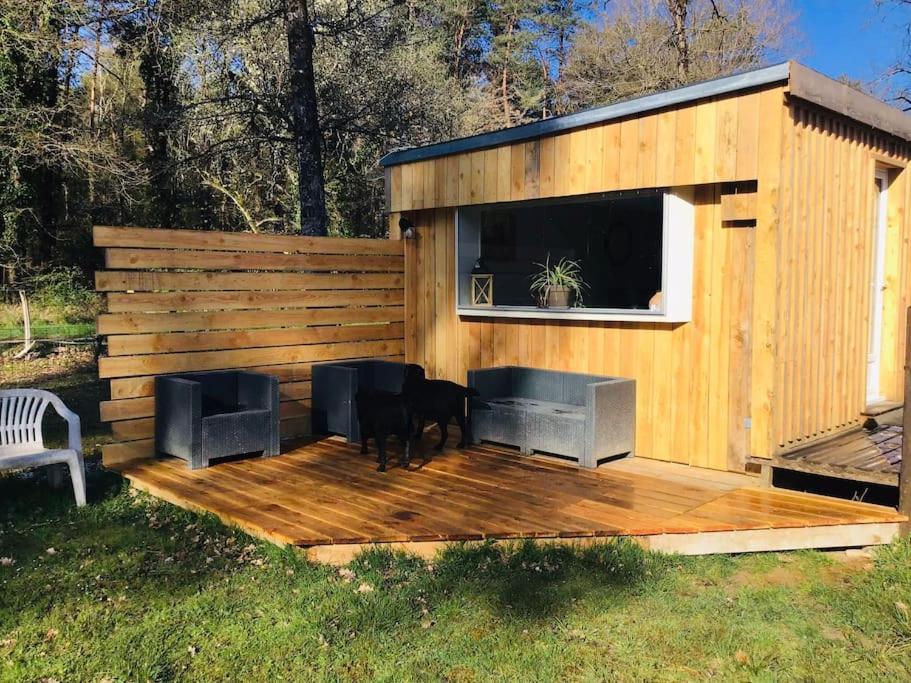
21,440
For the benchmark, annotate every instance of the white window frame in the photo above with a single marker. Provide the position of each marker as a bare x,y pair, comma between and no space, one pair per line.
678,247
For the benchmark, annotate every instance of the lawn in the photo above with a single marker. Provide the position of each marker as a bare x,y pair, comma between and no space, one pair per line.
131,588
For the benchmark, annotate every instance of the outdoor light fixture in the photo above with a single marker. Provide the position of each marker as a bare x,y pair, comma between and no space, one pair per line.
407,228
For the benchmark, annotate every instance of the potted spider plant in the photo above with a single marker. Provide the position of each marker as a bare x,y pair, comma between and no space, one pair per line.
558,285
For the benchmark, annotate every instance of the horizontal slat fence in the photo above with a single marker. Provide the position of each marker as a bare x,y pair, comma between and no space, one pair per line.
189,300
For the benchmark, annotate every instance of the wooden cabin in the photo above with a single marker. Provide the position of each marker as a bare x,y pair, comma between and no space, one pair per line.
745,242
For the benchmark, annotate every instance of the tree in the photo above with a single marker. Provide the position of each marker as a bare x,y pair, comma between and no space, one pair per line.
898,76
460,28
643,46
380,81
305,118
271,115
558,23
678,10
47,149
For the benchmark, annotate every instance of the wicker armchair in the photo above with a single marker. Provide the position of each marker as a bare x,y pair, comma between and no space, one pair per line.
207,415
335,386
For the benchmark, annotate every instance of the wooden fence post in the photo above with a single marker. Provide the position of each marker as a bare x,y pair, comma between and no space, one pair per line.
904,477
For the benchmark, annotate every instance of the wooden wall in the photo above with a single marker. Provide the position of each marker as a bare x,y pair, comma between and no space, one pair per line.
825,260
781,311
696,383
714,140
182,300
692,379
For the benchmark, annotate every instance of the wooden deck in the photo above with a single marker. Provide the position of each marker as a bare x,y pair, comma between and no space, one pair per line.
871,457
328,497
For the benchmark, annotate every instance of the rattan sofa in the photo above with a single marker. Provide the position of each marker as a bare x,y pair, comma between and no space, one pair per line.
589,418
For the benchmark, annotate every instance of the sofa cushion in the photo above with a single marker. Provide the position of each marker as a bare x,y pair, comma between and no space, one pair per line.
388,376
536,384
216,406
575,387
555,430
218,388
500,421
530,423
233,433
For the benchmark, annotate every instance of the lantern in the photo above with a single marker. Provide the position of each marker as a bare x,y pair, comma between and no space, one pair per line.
481,285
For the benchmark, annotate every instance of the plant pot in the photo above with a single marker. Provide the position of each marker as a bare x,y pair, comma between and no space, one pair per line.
558,297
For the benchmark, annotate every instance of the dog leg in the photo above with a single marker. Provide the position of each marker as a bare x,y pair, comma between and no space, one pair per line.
463,426
444,434
420,430
381,447
363,442
406,454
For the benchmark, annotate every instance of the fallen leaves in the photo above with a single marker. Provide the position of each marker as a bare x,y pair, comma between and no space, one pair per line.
364,588
8,643
51,634
7,561
741,658
51,551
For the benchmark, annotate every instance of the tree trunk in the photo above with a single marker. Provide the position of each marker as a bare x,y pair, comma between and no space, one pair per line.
504,84
305,120
678,9
158,71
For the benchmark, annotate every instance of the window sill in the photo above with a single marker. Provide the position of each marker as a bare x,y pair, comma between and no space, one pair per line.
589,314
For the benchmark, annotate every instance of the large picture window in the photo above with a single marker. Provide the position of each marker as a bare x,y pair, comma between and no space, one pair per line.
631,252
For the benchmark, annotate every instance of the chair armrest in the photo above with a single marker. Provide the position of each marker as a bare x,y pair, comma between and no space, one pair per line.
178,416
491,382
257,390
610,419
333,405
73,424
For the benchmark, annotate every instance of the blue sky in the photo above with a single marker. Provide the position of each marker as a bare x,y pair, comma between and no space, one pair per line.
857,38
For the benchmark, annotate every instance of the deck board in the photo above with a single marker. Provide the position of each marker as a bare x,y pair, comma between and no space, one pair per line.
327,494
873,457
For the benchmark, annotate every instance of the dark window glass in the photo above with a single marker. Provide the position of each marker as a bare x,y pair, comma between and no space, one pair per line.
617,242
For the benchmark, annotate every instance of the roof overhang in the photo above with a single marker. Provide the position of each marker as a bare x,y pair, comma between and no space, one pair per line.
814,87
802,82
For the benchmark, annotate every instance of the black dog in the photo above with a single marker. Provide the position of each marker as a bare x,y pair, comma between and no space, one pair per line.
381,414
438,401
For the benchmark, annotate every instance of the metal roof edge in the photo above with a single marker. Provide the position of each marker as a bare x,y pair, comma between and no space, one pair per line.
808,84
684,94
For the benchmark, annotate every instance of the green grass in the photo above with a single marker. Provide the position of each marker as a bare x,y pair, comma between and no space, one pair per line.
137,590
42,331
